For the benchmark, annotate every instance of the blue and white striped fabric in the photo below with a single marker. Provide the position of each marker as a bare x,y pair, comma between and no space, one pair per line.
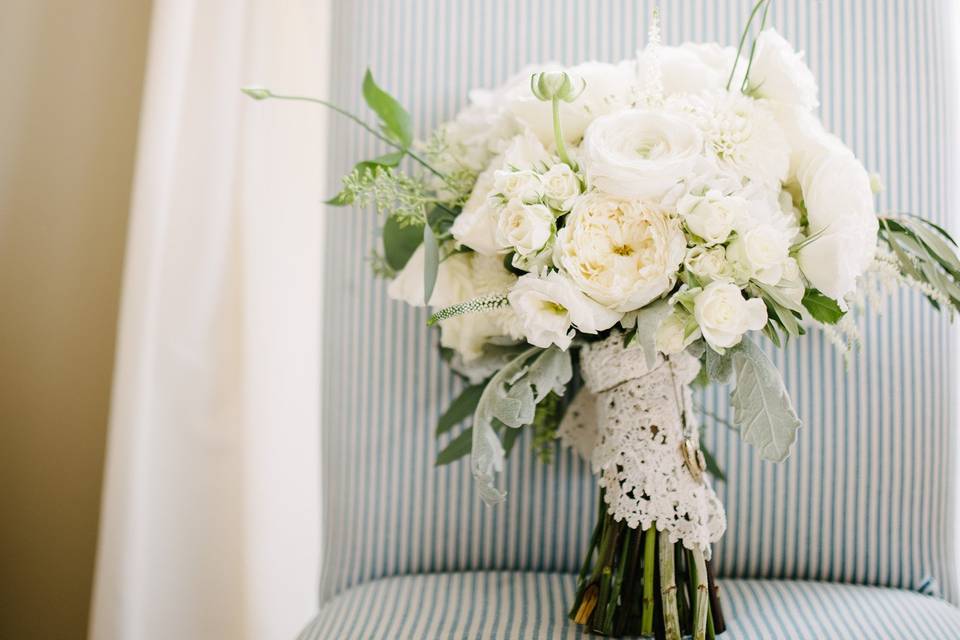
528,606
865,497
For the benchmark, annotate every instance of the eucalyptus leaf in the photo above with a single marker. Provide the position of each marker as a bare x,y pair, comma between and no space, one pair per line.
821,307
461,408
395,121
431,262
456,448
763,412
400,242
345,197
939,249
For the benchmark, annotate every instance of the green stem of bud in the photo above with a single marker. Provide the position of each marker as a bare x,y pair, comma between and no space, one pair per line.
558,134
263,94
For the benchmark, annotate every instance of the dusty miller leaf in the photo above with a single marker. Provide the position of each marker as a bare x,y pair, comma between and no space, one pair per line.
511,397
644,325
763,413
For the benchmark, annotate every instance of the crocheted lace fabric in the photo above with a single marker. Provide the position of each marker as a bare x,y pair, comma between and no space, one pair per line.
631,421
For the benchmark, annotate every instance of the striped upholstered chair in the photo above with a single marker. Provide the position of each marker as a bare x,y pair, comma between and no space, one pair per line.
850,538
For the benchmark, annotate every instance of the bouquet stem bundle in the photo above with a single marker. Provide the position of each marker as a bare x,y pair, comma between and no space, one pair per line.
635,582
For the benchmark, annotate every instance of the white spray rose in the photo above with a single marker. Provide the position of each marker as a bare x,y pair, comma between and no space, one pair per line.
549,307
779,73
724,315
707,263
526,228
619,253
640,154
711,216
523,185
761,253
561,186
671,335
476,226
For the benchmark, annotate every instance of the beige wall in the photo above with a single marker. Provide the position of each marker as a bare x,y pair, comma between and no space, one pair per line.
71,75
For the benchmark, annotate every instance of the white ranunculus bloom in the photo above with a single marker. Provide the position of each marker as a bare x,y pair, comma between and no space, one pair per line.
550,306
561,186
525,228
835,260
621,254
522,185
609,88
761,253
711,216
670,336
741,134
640,154
707,263
476,226
724,315
779,73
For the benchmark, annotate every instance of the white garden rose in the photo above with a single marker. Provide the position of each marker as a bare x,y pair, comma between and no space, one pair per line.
618,252
671,334
561,186
839,202
609,88
521,185
760,253
549,307
724,315
525,151
707,263
525,228
476,226
640,154
711,216
779,73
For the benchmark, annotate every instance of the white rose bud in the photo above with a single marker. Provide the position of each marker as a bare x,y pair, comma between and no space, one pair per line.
671,335
711,216
525,228
761,253
724,315
523,185
561,186
549,307
707,263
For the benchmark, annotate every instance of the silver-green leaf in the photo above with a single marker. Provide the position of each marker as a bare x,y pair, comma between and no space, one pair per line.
431,262
763,412
511,397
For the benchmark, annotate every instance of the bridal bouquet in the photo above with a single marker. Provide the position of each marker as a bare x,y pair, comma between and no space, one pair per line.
629,230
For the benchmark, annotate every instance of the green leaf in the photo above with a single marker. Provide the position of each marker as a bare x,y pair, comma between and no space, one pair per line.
456,448
821,307
712,467
461,408
400,242
645,329
342,199
431,262
763,412
395,121
938,249
510,437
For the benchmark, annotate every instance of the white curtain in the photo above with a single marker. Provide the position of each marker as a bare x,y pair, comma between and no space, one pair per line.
209,525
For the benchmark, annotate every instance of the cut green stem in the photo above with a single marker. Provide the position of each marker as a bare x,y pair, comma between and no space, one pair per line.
668,590
649,549
701,606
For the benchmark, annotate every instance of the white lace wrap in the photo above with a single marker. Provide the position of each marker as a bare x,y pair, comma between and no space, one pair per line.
629,422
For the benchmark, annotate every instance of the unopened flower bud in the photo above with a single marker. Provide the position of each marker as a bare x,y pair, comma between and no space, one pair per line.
257,93
560,85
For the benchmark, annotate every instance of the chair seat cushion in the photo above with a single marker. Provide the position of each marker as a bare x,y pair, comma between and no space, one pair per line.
507,605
